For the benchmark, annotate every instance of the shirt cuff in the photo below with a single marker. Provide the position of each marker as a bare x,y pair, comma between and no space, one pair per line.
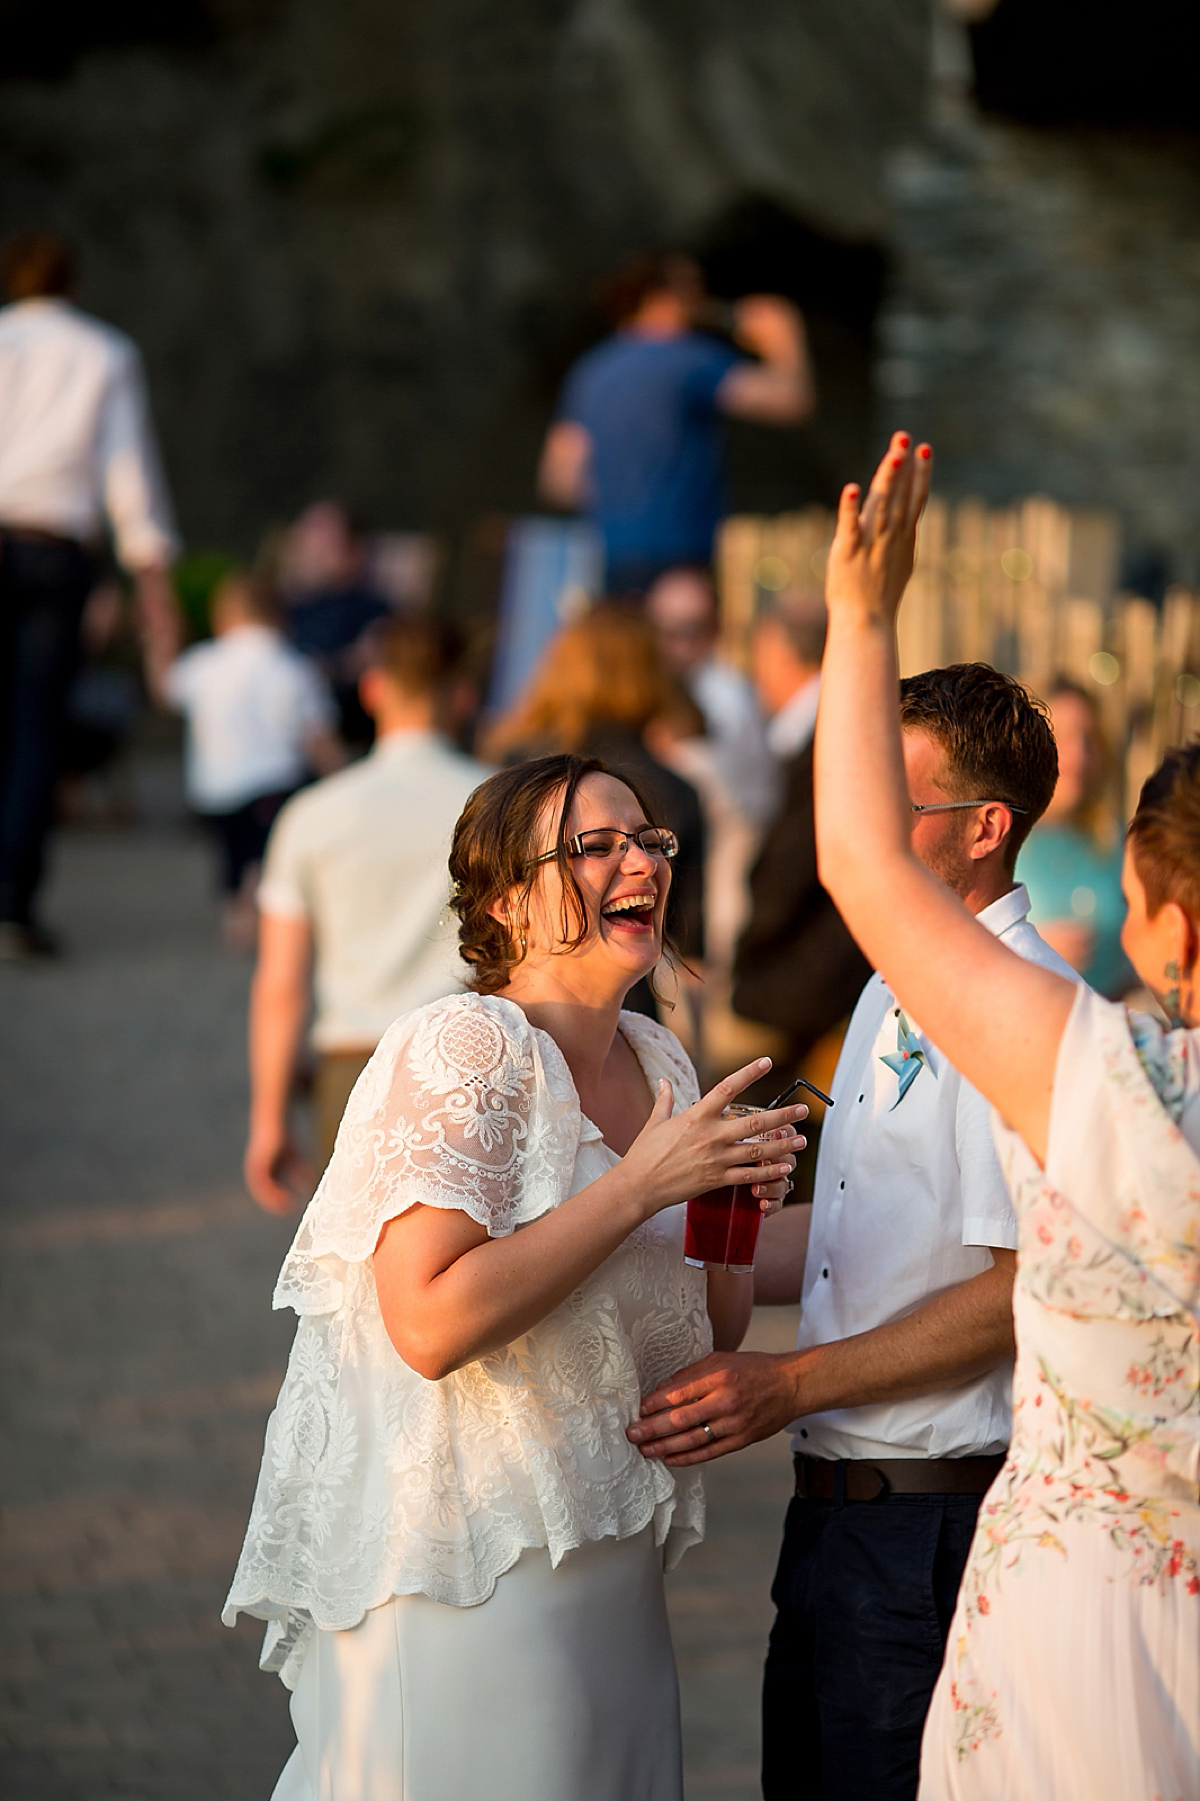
993,1234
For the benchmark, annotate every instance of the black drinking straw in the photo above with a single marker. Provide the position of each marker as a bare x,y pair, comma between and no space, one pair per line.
790,1090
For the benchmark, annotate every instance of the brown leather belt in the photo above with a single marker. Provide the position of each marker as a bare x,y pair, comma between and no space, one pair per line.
827,1479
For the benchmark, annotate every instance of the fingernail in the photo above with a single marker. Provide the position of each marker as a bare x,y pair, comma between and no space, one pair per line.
904,440
925,452
897,462
764,1063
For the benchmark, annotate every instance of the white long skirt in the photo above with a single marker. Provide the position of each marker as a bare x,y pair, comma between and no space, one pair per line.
560,1687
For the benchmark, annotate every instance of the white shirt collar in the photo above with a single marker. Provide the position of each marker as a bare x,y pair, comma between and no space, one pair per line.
793,726
1003,914
401,744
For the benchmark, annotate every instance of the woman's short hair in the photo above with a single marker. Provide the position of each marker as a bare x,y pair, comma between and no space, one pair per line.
997,739
499,834
1164,833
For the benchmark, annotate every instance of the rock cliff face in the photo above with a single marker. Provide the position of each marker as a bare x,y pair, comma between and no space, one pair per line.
355,237
1043,327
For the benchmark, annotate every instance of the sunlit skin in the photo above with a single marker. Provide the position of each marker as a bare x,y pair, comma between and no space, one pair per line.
1159,944
447,1292
959,847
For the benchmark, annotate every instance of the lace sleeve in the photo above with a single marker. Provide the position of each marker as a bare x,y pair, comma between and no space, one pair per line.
457,1108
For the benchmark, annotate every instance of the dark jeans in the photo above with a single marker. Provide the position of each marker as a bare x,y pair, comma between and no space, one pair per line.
241,836
43,585
864,1594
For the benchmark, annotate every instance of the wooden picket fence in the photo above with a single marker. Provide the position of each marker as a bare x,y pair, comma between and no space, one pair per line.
1029,589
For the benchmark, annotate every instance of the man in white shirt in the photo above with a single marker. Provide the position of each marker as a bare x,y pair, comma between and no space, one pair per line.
354,906
682,608
898,1394
77,451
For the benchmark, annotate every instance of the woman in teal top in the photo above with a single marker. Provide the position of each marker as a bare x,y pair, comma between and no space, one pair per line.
1074,882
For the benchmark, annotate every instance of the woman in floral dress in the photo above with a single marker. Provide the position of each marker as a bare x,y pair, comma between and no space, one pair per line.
458,1552
1073,1666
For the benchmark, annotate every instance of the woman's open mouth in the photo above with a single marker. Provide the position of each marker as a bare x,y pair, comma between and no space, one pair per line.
631,912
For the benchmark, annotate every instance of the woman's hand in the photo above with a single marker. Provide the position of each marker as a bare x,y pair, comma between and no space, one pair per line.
874,548
672,1159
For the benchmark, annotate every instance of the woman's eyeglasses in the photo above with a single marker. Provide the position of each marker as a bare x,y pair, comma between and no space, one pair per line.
603,843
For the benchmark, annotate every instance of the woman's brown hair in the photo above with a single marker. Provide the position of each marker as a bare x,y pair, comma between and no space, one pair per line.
605,669
1164,833
497,838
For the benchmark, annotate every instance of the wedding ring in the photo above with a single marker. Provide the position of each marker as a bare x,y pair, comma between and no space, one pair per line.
712,1437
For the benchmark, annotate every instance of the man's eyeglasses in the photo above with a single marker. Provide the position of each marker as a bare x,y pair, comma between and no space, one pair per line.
955,806
604,842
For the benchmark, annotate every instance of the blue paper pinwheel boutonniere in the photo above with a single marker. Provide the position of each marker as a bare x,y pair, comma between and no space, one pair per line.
907,1059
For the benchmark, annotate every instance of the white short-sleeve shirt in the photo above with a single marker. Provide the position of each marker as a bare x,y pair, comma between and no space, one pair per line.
362,856
252,705
909,1198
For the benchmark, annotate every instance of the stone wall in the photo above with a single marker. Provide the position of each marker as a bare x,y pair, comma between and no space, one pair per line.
1042,327
355,237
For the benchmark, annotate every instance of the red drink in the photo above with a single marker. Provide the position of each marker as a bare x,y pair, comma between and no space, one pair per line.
722,1229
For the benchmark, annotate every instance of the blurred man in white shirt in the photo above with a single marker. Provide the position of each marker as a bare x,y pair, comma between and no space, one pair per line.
682,608
899,1392
77,453
353,906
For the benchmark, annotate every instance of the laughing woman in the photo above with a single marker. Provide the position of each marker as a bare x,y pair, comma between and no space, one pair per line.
458,1553
1073,1667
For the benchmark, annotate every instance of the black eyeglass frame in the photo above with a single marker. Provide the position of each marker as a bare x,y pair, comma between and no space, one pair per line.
955,806
575,846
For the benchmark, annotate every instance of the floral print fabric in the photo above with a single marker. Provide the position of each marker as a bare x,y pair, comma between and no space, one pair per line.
1073,1664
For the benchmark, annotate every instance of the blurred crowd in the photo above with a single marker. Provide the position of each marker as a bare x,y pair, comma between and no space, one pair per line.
327,654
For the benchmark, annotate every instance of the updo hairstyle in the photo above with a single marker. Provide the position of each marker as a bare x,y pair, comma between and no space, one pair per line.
498,836
1164,833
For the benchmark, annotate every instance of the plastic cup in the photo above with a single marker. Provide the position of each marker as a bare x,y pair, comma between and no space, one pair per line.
723,1223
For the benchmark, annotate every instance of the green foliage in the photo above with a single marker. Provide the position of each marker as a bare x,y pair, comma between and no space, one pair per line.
196,577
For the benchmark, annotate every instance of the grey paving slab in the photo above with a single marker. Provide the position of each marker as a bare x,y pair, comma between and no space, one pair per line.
139,1360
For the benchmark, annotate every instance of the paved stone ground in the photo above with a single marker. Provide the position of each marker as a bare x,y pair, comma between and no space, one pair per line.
140,1359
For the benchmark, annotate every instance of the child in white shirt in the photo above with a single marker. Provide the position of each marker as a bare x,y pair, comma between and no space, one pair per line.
260,720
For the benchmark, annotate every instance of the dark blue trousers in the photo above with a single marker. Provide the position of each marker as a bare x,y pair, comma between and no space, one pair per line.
43,585
864,1595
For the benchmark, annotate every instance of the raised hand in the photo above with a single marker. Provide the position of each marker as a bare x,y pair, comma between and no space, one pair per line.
874,548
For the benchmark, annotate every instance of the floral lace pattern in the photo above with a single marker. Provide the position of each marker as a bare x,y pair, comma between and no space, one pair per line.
1100,1489
377,1482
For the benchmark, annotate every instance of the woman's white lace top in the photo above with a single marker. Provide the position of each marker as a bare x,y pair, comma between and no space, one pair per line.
376,1482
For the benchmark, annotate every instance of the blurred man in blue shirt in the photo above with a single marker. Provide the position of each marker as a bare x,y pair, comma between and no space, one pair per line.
637,444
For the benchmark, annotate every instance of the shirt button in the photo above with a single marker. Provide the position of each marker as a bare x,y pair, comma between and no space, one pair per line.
861,1099
841,1184
825,1273
804,1431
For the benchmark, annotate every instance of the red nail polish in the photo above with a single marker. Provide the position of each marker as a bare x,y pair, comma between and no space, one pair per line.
925,452
905,440
897,462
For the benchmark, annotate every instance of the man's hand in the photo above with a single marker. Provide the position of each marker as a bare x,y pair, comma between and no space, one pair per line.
741,1397
277,1174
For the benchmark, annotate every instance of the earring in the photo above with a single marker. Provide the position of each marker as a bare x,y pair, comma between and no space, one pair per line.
1171,997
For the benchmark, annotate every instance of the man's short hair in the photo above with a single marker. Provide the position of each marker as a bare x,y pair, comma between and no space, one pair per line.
996,738
648,272
36,265
418,653
803,621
